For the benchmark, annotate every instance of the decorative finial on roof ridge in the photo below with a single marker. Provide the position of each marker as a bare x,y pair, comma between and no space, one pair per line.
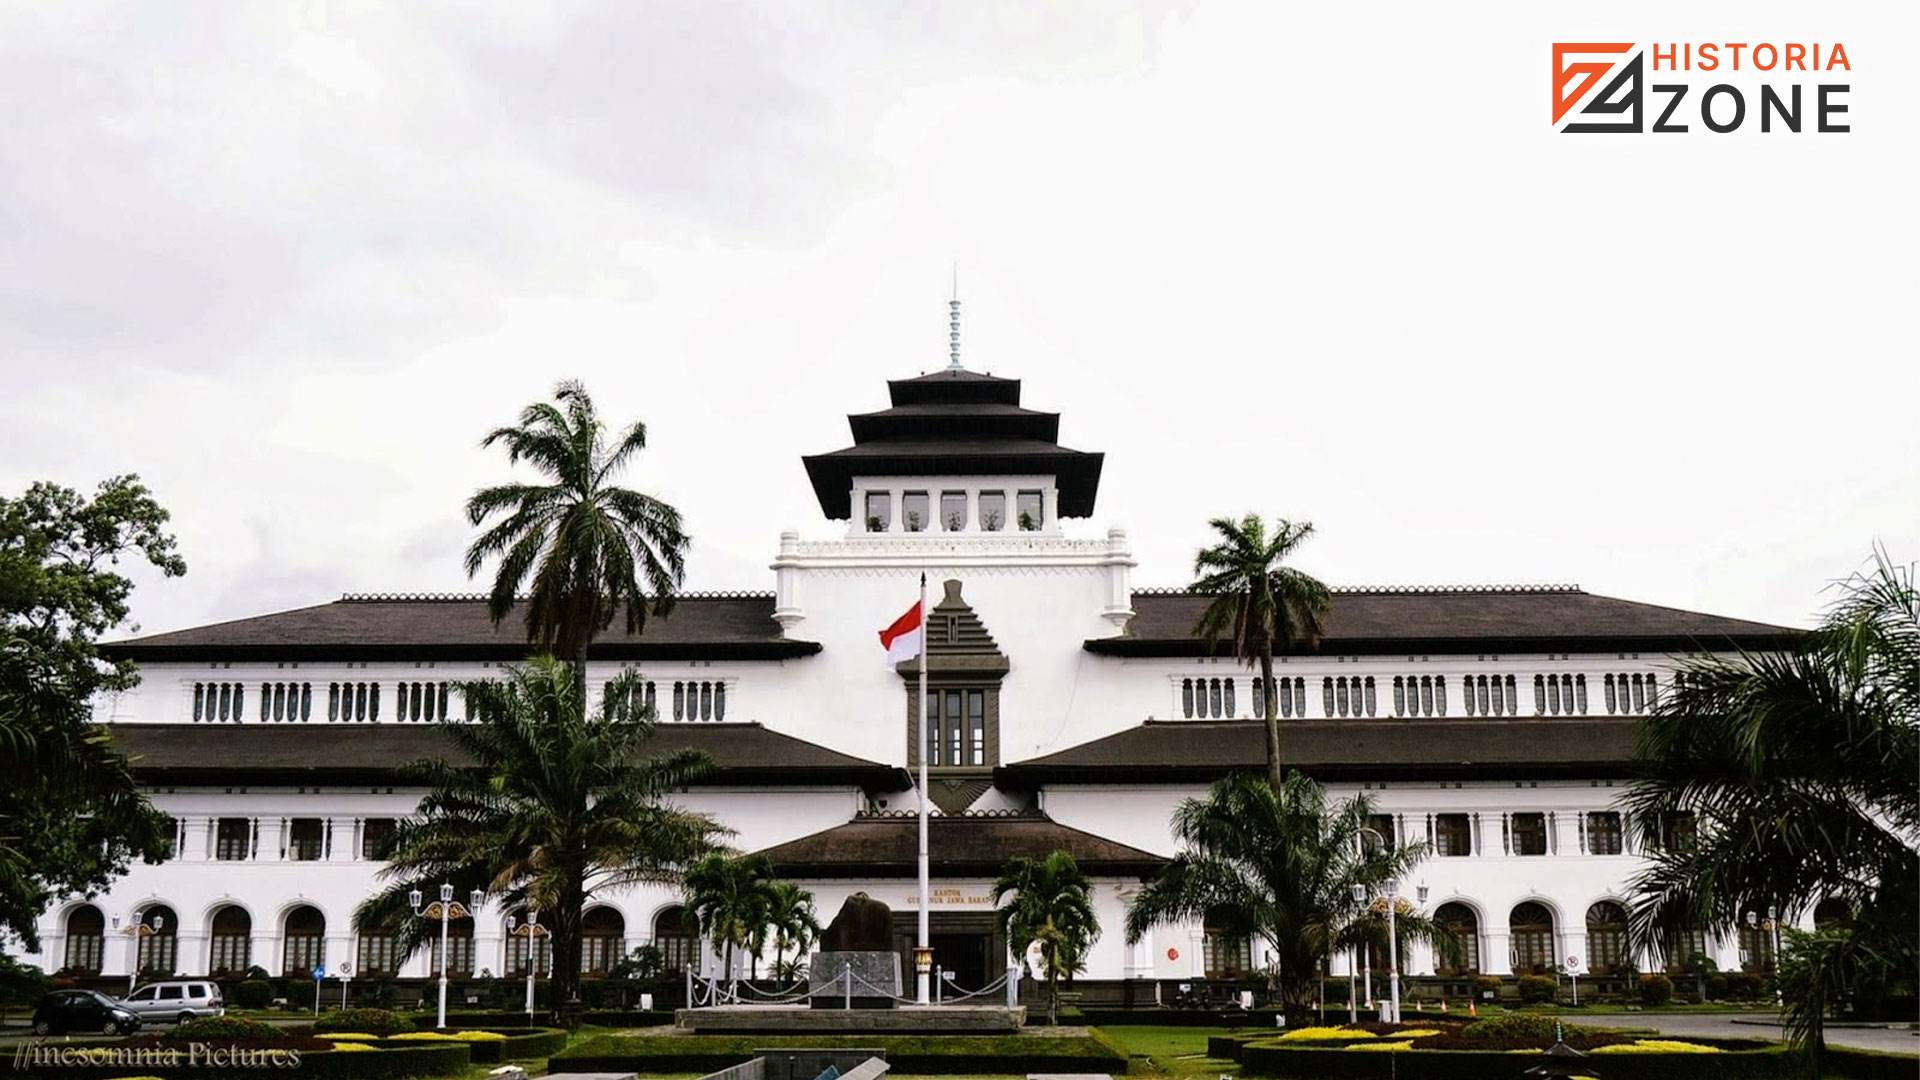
953,324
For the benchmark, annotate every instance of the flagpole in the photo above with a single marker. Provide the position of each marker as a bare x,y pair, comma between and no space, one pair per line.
923,955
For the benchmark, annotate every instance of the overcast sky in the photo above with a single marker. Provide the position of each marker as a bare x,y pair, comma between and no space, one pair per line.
290,262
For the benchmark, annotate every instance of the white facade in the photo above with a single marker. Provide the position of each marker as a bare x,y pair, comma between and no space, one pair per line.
1041,593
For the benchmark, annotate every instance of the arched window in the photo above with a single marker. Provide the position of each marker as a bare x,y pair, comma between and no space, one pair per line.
159,952
379,951
1682,946
1226,950
600,932
1607,949
86,939
305,941
459,947
1832,913
677,935
517,948
1531,943
230,945
1463,957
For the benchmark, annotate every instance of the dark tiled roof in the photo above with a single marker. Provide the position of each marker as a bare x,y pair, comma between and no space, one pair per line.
1389,621
948,386
415,627
320,754
955,422
1412,749
960,845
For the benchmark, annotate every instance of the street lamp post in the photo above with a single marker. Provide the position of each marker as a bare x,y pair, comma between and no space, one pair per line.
136,930
533,932
446,911
1393,943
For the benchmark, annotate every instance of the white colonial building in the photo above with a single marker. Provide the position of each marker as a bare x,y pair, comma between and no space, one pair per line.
1068,709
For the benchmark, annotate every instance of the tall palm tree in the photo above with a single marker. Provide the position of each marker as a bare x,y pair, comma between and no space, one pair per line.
583,548
732,895
543,808
1283,865
1052,904
1264,608
793,923
1796,769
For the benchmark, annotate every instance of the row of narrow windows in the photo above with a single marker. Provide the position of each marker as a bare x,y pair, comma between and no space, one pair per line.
917,511
1633,694
1422,695
414,702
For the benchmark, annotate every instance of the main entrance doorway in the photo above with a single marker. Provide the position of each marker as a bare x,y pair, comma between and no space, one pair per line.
969,944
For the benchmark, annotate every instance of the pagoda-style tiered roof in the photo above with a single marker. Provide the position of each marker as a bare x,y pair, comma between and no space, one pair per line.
955,423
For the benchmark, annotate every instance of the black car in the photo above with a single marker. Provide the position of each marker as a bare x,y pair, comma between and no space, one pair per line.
82,1010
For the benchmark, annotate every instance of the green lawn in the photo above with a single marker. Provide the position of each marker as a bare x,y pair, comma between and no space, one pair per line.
1173,1051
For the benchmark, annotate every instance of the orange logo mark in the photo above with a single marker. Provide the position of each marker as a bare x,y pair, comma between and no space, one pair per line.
1589,72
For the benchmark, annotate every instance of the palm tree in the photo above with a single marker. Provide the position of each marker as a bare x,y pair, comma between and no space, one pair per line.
733,898
1284,866
1795,769
1052,904
793,924
589,548
1263,607
543,808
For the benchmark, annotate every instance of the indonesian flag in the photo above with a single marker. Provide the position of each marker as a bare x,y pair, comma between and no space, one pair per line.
902,639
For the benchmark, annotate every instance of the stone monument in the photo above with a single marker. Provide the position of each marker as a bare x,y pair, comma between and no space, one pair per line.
856,958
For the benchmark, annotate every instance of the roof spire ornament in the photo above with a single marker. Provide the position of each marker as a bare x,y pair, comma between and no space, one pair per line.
953,323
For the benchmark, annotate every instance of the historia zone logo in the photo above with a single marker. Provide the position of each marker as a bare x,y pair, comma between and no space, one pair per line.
1603,86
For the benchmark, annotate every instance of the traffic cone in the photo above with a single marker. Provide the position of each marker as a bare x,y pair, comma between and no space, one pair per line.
1443,1004
1473,1008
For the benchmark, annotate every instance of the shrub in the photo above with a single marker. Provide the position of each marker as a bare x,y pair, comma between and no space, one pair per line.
1538,989
252,994
353,1046
480,1036
377,1021
224,1027
1485,984
348,1036
1519,1026
1381,1046
1655,989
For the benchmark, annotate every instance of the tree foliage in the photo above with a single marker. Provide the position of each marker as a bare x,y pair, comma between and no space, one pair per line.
1279,865
1052,905
1798,767
541,807
1259,606
733,896
71,815
582,548
793,924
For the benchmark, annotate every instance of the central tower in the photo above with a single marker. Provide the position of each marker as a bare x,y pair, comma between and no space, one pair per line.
955,454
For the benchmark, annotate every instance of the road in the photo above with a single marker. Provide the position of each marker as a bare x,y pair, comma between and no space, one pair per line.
1903,1040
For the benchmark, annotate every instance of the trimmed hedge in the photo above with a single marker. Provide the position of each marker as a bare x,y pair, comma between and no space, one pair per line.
500,1021
414,1061
949,1055
1325,1064
1869,1064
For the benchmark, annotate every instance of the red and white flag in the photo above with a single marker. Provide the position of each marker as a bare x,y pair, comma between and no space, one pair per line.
902,639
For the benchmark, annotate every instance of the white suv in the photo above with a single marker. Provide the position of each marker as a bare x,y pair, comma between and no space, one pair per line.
175,1002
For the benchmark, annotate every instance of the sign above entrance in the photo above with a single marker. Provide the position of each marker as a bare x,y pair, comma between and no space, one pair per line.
951,898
